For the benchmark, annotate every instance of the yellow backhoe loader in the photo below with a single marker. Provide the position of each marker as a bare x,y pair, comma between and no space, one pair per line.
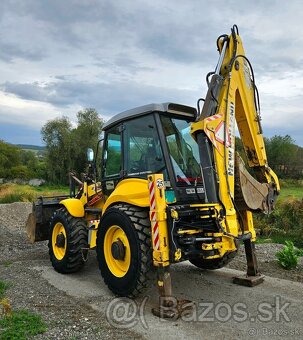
172,188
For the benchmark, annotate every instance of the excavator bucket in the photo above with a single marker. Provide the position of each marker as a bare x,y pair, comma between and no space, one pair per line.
37,225
249,193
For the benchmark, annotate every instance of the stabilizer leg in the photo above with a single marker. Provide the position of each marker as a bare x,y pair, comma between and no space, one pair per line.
169,307
253,276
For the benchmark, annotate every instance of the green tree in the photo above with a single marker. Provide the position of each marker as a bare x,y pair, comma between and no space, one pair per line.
66,147
85,135
56,134
9,157
281,153
31,161
20,171
18,163
240,148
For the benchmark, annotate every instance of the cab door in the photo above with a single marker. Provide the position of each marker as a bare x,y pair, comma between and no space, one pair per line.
112,159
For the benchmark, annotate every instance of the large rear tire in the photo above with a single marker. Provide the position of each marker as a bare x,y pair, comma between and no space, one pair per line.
124,249
67,242
213,263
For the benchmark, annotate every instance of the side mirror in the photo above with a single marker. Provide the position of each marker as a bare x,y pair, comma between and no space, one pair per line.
90,155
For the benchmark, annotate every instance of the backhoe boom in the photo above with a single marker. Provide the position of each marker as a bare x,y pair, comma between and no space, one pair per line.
232,99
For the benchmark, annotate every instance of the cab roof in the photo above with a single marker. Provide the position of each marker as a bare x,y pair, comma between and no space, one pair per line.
172,108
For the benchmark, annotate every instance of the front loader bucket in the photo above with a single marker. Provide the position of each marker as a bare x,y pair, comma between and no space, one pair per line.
31,227
37,225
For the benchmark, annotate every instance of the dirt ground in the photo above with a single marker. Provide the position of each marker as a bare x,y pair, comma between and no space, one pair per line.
66,317
268,264
78,306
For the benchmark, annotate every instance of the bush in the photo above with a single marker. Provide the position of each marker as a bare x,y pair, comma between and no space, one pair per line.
288,257
20,171
286,220
289,216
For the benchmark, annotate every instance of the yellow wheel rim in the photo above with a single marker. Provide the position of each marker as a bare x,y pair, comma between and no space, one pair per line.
59,249
118,267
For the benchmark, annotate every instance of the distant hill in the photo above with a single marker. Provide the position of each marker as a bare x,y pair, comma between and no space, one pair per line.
31,147
38,150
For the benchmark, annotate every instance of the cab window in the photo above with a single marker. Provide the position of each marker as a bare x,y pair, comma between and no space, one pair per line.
142,148
113,153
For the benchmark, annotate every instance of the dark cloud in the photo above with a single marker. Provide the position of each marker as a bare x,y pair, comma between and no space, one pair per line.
180,33
103,27
123,61
114,55
9,52
31,91
123,66
185,33
72,11
107,98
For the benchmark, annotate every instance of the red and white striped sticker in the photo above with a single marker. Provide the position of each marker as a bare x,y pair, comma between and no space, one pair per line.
154,222
213,139
219,134
214,117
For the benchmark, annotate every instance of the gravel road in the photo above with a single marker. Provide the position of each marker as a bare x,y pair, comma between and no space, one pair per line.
66,316
79,306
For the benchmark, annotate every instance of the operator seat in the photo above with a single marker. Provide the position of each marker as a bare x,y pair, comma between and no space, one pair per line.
148,160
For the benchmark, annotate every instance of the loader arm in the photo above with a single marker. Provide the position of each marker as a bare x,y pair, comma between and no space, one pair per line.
232,98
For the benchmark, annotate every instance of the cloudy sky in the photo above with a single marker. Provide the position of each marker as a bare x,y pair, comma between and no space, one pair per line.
59,56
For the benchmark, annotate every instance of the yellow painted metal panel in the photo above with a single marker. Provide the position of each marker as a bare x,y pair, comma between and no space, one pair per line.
132,191
74,207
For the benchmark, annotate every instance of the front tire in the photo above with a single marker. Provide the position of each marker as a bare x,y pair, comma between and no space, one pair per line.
67,242
124,249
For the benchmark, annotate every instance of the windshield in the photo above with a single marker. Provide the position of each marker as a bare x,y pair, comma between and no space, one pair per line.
183,151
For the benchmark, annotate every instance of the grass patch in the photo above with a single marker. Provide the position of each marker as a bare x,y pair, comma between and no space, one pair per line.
3,287
295,192
60,189
7,263
290,188
21,325
11,192
279,239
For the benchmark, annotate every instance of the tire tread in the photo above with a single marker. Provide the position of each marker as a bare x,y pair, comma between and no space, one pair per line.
77,233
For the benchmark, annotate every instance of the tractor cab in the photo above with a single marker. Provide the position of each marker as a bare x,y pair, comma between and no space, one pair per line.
151,139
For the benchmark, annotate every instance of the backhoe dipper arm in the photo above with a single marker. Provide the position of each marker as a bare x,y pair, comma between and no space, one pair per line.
232,98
